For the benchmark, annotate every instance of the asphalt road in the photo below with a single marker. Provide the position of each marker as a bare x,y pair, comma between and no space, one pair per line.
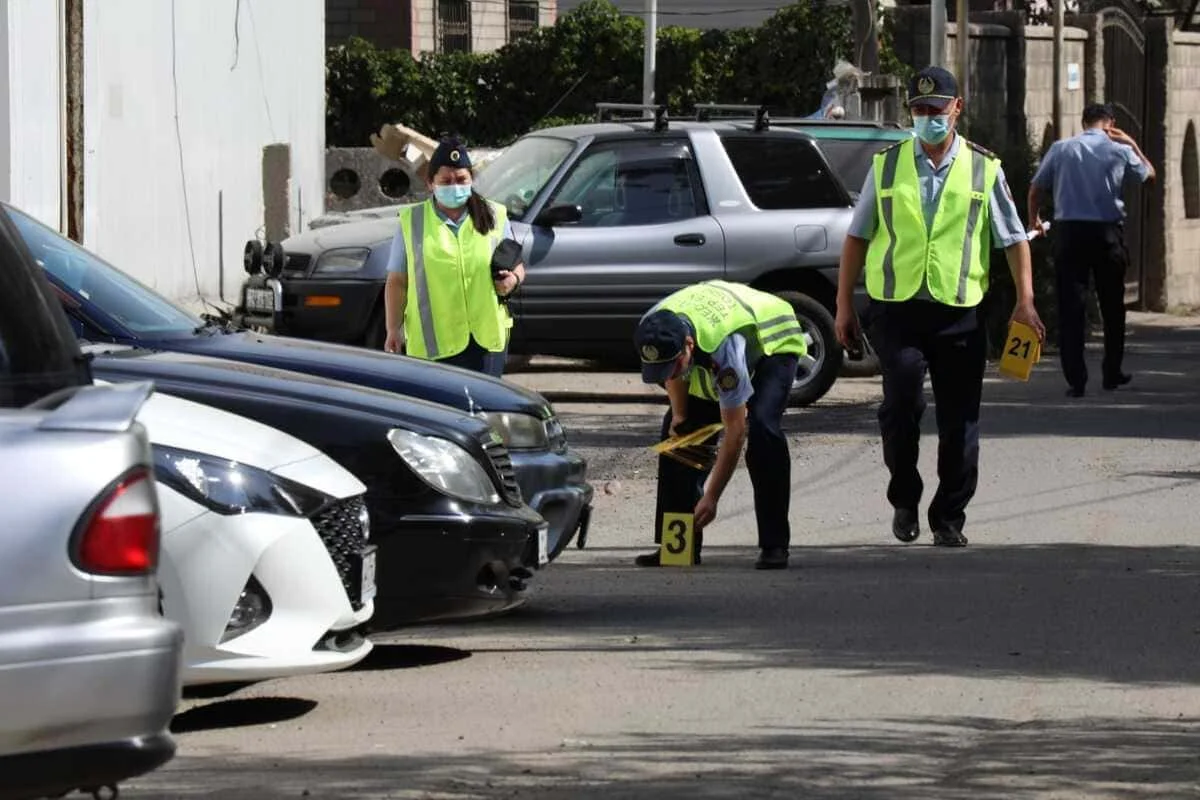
1056,657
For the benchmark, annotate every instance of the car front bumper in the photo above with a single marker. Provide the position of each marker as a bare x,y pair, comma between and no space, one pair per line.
555,485
325,310
447,565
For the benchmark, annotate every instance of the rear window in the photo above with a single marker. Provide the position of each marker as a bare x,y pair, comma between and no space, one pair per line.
783,173
851,158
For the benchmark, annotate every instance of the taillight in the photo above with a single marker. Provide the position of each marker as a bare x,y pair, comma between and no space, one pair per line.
121,536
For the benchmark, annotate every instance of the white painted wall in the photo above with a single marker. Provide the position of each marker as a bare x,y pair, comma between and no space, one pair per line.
31,142
152,180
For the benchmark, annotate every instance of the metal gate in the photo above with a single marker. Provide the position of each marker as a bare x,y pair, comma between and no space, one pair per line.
1125,89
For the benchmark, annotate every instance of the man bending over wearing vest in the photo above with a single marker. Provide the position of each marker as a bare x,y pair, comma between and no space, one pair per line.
725,352
923,228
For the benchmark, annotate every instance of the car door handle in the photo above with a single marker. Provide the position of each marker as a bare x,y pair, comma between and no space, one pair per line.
690,239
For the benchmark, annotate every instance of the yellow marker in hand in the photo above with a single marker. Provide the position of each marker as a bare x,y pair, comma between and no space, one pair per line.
678,540
1021,351
689,448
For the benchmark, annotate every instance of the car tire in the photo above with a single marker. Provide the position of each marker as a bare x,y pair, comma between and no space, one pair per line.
819,371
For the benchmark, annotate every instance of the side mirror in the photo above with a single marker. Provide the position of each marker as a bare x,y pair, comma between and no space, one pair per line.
559,215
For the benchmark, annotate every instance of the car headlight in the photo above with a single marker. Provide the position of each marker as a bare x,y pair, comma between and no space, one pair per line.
344,260
228,487
519,431
445,466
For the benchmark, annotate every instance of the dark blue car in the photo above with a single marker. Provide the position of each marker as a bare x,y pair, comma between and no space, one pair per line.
106,305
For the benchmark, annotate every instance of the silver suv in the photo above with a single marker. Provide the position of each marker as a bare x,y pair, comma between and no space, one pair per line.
615,215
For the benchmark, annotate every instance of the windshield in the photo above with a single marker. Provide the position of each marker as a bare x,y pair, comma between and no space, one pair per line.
138,308
516,176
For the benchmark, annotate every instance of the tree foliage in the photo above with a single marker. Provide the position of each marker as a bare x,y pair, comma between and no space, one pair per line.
593,54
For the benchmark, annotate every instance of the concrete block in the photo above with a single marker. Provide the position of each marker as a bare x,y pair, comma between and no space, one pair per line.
277,190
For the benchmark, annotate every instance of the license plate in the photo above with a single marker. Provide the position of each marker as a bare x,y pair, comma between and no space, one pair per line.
543,545
260,300
367,588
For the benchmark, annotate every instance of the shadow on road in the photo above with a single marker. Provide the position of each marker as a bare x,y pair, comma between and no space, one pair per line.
1123,615
930,758
241,713
407,656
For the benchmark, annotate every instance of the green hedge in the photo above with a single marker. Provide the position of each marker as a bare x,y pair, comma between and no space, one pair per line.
593,54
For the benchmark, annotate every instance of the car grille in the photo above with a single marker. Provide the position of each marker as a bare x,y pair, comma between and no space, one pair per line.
340,527
502,462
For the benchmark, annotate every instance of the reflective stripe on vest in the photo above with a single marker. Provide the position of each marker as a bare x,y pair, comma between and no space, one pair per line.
950,253
439,320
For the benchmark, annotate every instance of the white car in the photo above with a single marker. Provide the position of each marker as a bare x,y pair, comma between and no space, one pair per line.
265,556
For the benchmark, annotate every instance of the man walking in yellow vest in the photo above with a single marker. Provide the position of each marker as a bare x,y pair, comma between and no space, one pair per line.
729,353
923,229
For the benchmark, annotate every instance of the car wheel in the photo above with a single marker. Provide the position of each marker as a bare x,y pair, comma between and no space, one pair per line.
820,367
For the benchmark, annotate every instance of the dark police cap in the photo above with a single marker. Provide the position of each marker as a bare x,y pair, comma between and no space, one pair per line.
932,86
450,152
659,340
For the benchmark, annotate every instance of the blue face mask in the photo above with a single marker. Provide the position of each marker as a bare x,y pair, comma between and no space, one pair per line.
932,130
453,196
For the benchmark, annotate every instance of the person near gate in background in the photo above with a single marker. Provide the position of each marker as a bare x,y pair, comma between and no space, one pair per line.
724,352
1085,176
923,230
441,298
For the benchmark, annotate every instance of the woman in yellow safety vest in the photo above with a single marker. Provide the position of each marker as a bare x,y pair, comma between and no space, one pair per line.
441,299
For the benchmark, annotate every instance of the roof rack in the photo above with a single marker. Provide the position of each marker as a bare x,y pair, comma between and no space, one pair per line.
660,112
762,118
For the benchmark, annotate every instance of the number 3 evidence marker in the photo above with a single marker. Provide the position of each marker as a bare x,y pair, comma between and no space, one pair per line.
678,540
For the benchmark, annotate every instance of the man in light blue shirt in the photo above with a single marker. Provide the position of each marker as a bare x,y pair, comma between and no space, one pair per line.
1086,175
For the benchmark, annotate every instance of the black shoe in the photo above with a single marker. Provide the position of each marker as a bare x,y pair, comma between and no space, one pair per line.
1119,379
1075,391
949,538
772,558
905,525
655,559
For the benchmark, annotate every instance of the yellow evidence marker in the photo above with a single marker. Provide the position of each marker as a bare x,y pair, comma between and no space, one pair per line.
1021,351
678,540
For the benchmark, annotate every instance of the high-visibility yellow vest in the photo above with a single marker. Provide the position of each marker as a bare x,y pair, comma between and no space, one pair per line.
717,309
951,253
451,296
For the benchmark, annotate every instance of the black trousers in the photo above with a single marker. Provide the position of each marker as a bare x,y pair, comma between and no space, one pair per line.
1083,250
477,359
767,458
950,344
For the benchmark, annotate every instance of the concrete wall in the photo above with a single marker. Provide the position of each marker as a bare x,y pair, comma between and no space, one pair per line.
1011,82
1180,174
31,128
176,110
1039,83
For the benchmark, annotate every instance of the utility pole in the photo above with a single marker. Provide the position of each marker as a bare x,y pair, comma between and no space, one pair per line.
962,41
72,11
1058,69
651,47
937,33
